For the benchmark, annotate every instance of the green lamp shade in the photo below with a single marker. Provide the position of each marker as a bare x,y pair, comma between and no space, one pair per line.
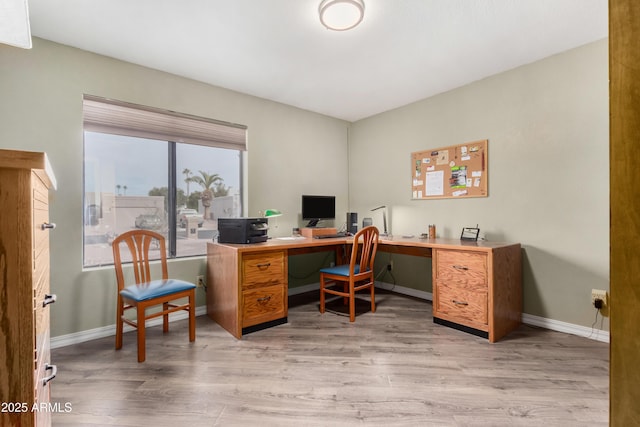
270,213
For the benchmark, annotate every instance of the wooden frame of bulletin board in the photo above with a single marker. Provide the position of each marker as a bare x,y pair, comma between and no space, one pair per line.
456,171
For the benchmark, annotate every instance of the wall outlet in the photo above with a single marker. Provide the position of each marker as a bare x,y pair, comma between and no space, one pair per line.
200,281
390,265
598,294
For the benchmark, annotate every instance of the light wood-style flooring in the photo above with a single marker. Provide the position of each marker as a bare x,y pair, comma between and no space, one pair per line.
394,367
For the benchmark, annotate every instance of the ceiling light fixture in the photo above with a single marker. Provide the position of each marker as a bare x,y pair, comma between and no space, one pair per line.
341,15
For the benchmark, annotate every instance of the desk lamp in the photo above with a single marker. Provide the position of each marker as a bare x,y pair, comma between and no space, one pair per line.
384,219
272,213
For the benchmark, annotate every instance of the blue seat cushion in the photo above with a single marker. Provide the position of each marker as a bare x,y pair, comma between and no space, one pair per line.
154,289
341,270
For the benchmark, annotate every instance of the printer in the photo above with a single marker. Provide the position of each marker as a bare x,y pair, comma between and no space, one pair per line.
242,230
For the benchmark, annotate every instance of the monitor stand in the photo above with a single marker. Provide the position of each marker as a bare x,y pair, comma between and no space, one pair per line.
317,231
313,223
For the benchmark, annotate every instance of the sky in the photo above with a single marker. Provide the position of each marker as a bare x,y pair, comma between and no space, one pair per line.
141,164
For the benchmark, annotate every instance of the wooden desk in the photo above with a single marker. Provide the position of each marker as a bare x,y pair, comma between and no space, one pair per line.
477,286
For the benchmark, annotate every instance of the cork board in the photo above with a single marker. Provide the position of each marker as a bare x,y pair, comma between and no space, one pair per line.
457,171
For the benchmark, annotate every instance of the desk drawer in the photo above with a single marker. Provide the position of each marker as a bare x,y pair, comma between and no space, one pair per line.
263,304
462,267
462,304
265,269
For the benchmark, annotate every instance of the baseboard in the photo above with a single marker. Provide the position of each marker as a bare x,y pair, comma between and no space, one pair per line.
304,289
529,319
569,328
405,291
110,330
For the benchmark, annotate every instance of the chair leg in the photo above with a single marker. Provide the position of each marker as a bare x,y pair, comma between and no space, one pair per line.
141,334
165,318
352,301
119,323
373,298
345,289
192,315
321,292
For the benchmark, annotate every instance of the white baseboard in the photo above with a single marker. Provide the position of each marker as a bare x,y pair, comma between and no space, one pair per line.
529,319
569,328
110,330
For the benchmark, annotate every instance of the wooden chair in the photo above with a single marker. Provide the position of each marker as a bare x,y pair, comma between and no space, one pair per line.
146,292
355,276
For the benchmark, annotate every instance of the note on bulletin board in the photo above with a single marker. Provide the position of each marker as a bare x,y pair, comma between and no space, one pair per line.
456,171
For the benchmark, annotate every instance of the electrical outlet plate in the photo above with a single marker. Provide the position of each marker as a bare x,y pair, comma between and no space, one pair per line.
200,281
599,294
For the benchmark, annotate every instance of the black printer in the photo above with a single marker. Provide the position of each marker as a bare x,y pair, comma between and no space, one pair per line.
242,230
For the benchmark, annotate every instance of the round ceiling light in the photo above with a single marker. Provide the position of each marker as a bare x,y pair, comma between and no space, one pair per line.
341,15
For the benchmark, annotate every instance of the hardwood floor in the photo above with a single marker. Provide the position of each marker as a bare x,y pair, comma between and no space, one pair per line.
393,367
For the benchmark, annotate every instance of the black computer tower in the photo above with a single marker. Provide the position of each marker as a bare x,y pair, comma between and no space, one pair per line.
352,222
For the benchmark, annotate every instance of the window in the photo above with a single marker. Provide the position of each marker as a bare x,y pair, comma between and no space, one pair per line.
142,171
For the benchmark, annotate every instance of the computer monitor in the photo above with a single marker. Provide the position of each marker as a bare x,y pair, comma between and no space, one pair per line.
317,208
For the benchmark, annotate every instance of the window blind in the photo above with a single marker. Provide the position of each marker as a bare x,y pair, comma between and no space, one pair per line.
121,118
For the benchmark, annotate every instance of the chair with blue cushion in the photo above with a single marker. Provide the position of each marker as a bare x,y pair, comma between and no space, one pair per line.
145,292
345,280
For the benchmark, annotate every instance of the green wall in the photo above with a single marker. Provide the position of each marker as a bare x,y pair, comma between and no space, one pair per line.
547,124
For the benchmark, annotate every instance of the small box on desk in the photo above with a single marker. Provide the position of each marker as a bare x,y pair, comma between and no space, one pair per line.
313,231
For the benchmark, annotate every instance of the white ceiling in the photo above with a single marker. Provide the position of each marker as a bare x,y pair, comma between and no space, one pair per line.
403,51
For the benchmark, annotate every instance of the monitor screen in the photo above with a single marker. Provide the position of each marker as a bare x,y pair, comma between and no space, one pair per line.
315,208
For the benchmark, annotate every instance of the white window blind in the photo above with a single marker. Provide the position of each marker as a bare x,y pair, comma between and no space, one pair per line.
121,118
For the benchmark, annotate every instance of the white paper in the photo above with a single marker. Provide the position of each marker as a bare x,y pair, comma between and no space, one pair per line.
435,183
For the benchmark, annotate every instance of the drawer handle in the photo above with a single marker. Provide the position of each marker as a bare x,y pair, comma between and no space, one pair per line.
49,299
265,265
264,300
49,226
460,267
54,371
459,302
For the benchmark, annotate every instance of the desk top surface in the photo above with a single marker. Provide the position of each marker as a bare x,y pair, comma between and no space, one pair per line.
304,242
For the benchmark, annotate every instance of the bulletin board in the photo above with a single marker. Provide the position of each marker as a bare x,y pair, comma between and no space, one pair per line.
457,171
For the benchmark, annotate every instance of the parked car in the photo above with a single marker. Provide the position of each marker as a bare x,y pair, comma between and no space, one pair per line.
148,221
185,214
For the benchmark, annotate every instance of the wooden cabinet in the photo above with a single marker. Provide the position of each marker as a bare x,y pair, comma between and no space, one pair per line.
479,291
264,288
25,298
246,291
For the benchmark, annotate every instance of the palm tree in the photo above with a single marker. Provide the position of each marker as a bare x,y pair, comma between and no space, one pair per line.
186,173
118,187
206,181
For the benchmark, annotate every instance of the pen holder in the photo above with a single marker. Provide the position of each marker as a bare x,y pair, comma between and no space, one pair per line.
432,231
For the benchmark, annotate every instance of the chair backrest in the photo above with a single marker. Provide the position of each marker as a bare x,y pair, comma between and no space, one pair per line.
364,258
139,243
